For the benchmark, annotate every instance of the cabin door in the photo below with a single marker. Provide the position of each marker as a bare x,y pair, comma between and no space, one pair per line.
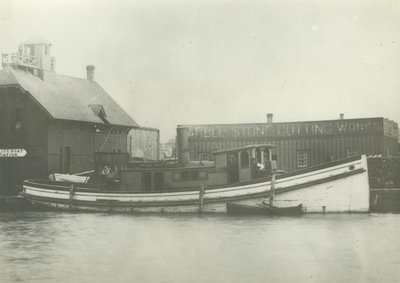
147,184
158,181
233,168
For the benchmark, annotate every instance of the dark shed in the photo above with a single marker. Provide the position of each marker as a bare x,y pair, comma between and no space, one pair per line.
59,120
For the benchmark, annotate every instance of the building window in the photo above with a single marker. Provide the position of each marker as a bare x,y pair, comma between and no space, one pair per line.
16,120
203,157
302,159
244,159
351,151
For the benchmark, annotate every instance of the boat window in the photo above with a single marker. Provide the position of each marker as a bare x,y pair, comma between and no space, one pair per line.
186,175
176,176
258,155
244,159
202,175
266,154
189,175
194,175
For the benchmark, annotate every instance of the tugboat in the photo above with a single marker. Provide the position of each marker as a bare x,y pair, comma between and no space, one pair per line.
234,177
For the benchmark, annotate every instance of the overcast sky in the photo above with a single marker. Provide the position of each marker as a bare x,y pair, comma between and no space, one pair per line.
198,62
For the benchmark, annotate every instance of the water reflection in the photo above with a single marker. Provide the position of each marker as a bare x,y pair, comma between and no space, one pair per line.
70,247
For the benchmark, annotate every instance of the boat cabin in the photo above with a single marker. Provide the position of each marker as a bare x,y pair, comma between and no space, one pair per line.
231,166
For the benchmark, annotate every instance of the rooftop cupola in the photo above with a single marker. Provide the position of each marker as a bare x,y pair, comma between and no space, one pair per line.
32,54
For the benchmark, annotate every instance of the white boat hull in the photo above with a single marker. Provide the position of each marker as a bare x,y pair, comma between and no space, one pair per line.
342,187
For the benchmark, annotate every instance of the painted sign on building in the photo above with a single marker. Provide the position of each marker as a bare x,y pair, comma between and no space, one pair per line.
296,129
12,152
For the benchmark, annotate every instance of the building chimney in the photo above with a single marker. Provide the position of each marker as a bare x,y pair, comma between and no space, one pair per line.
341,116
270,117
90,73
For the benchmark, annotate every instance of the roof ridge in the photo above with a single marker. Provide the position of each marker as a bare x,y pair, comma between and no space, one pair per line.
67,76
66,97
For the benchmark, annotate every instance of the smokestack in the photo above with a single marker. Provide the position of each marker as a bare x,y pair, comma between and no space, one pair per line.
270,117
90,73
183,144
341,116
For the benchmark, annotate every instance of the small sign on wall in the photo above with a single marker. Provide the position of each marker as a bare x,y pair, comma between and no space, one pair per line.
12,152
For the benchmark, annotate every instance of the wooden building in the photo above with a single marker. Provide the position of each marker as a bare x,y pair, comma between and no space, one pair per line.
144,144
298,144
60,121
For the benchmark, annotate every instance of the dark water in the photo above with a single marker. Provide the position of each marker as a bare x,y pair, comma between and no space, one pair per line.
66,247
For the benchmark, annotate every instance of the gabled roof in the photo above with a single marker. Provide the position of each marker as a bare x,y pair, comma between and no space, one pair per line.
7,77
67,98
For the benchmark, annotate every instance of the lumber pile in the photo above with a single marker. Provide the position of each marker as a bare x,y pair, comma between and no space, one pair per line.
383,172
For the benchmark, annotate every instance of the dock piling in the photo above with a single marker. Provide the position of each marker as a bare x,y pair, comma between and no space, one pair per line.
71,195
201,199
